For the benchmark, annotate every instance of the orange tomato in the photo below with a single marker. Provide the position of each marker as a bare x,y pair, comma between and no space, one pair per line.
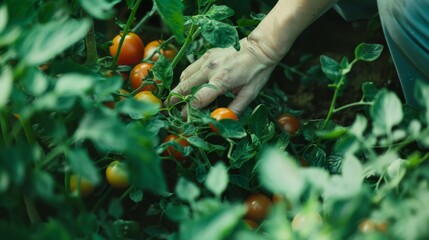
147,96
117,175
138,75
222,113
170,151
85,187
131,51
168,51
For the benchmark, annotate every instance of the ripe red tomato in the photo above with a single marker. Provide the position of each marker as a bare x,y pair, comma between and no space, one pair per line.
170,151
138,74
288,123
147,96
258,206
85,187
117,175
131,50
169,51
222,113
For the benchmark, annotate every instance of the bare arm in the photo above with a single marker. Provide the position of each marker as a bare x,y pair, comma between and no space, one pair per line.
245,72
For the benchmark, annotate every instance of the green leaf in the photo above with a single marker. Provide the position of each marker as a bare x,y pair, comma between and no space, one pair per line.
315,156
386,112
229,128
219,34
43,184
369,91
3,17
240,181
115,208
172,15
279,173
163,71
334,133
278,225
368,52
81,164
137,109
100,9
243,152
104,129
258,120
177,212
187,190
331,68
73,84
6,81
217,179
219,12
136,195
198,143
216,226
44,42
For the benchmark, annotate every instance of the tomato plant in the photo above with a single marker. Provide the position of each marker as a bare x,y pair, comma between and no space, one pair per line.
220,114
153,49
171,151
117,175
131,51
288,123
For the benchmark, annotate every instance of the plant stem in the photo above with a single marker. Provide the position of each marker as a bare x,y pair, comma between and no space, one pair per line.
4,127
125,32
33,215
91,46
101,200
185,45
333,101
144,19
360,103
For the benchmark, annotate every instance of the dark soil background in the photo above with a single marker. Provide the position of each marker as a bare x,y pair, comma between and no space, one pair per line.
332,36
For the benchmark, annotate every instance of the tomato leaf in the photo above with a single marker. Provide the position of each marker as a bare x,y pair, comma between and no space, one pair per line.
215,226
136,195
331,68
44,42
187,190
219,13
368,52
115,208
163,71
81,164
177,212
3,17
137,109
278,225
199,143
240,181
229,128
43,184
243,152
219,34
369,91
100,9
172,15
6,80
279,173
386,112
217,179
73,84
258,121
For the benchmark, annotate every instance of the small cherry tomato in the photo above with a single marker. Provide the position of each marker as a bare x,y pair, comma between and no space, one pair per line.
302,220
169,51
220,114
131,51
288,123
112,104
170,151
258,207
147,96
368,225
85,187
117,175
138,75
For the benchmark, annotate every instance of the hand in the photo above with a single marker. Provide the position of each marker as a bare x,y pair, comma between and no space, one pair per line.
243,72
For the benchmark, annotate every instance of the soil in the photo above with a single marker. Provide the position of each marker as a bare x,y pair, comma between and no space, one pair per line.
332,36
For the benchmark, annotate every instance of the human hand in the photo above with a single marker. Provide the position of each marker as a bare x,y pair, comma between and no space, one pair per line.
243,72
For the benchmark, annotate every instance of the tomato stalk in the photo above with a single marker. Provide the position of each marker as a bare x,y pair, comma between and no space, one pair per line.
101,199
192,34
355,104
144,19
4,128
33,215
91,46
125,32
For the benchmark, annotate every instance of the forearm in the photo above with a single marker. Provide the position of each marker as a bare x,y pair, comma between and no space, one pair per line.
283,24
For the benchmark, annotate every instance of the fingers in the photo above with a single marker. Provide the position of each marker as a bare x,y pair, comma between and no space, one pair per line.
193,68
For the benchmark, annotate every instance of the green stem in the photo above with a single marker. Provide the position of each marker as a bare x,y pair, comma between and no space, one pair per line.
125,32
188,42
33,215
52,154
91,46
28,131
4,128
144,19
360,103
125,193
333,101
101,200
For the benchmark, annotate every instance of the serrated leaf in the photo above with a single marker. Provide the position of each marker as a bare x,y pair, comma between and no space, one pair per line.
258,120
243,152
368,52
163,71
219,12
187,190
217,179
198,143
219,34
44,42
171,12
